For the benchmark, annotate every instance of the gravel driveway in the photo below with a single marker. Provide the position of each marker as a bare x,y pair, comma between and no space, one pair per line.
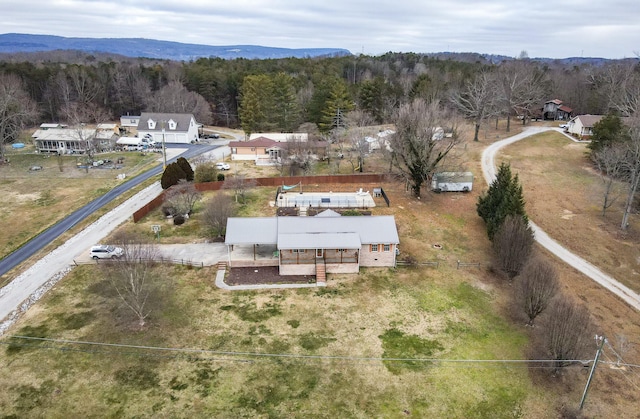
489,171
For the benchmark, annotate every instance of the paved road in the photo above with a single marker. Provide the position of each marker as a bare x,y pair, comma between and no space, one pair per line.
22,291
489,170
40,241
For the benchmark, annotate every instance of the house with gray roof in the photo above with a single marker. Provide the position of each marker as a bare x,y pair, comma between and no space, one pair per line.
64,140
581,126
328,242
168,127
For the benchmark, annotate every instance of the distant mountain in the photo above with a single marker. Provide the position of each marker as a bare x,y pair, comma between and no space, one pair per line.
151,48
497,59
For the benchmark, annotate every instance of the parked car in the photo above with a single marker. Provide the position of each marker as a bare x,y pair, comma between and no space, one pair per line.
564,126
103,251
222,166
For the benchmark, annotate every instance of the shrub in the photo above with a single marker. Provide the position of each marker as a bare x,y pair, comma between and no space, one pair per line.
172,175
512,245
351,212
220,177
168,210
503,198
178,219
206,172
186,168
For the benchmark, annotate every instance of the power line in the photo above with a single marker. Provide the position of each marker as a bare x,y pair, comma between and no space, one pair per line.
282,355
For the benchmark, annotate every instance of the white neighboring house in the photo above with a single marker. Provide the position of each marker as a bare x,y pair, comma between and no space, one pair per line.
281,137
129,121
106,136
581,126
178,128
64,140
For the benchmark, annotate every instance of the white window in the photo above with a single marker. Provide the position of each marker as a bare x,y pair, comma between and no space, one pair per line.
374,247
386,248
172,124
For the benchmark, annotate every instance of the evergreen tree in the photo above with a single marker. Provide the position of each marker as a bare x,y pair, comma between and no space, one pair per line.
503,198
336,108
186,168
256,103
172,175
607,131
372,94
286,111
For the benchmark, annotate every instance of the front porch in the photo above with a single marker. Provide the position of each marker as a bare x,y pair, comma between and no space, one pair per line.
294,261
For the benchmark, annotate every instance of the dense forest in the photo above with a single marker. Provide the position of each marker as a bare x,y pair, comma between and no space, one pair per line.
283,94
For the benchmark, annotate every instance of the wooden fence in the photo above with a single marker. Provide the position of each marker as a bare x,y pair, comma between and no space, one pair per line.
310,182
185,262
434,264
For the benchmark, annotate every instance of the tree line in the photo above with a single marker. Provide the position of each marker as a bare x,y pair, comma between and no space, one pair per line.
280,94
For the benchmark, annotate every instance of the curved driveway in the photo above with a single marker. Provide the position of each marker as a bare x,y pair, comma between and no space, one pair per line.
489,171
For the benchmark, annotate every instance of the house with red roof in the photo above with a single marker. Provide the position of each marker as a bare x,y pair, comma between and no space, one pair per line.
260,148
555,110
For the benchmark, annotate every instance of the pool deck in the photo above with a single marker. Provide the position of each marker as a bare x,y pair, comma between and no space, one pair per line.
360,199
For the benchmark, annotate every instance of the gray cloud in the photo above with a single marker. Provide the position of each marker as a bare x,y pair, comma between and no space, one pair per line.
577,27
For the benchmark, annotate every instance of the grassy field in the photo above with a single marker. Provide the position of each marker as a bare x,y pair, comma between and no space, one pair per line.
34,200
409,313
564,197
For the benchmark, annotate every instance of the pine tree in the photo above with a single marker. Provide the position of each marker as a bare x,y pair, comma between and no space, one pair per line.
286,112
336,108
256,103
171,175
186,168
503,198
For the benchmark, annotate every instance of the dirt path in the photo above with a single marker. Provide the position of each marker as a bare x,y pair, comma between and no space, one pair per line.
573,260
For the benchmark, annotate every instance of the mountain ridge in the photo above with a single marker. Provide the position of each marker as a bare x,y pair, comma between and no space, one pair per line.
153,48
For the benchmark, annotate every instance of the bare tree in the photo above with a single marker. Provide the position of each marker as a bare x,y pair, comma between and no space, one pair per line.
239,184
566,332
420,144
131,88
520,87
174,97
216,212
358,148
608,162
359,118
16,110
475,100
631,168
622,87
133,275
182,197
79,115
512,244
536,285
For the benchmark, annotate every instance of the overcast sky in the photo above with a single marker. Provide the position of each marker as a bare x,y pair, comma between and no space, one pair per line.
567,28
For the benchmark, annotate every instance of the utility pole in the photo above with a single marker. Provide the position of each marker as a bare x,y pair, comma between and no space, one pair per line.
164,150
602,340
